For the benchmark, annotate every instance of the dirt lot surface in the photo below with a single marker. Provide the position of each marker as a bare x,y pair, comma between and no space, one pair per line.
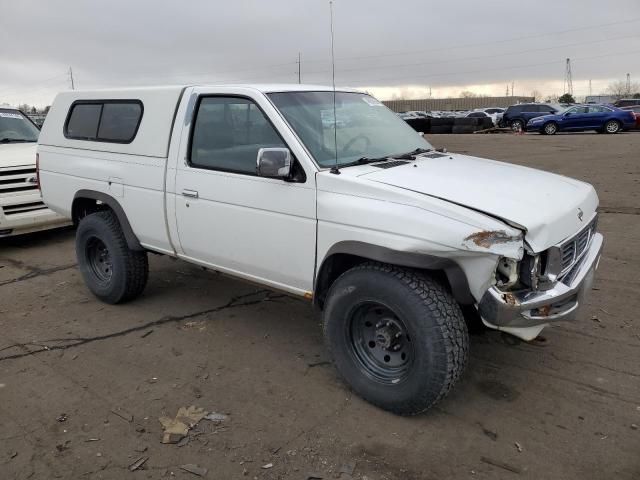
82,384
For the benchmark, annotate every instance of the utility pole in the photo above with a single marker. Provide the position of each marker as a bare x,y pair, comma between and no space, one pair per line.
628,84
299,62
512,83
73,87
590,93
567,78
507,90
429,91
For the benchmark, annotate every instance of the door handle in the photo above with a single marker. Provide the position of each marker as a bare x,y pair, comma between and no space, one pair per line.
190,193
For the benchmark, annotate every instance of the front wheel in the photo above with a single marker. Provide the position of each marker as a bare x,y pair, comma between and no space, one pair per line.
612,126
551,128
113,272
397,337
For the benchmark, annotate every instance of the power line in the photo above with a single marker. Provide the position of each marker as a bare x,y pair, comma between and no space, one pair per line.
515,67
482,57
474,44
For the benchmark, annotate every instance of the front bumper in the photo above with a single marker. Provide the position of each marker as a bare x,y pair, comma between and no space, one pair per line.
536,127
534,308
21,214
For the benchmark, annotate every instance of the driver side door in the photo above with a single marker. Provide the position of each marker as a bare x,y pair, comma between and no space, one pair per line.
229,218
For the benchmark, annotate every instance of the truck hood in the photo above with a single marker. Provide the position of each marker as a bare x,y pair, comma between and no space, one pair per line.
15,154
548,207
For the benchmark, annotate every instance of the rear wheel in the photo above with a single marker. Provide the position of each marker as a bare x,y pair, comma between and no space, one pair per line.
113,272
550,128
397,337
517,125
612,126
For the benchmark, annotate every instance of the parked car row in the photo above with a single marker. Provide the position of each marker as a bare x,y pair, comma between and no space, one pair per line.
545,118
494,113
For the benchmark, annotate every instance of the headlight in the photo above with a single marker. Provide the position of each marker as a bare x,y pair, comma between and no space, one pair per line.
506,273
531,268
540,271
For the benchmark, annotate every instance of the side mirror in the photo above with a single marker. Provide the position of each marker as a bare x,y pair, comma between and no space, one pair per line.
274,162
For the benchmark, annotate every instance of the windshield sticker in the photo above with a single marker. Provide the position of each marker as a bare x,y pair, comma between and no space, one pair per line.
372,102
11,115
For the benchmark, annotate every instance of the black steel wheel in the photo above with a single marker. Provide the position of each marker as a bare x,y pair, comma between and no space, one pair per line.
380,342
99,259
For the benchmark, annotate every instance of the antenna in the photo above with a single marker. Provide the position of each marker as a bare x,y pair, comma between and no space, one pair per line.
73,87
333,83
299,62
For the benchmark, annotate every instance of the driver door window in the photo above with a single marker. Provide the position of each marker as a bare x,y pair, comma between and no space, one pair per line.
228,133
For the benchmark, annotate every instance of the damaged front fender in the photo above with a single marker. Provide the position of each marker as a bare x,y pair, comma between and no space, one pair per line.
499,242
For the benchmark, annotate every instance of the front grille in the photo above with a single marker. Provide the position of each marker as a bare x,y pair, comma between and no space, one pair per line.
22,208
573,249
17,179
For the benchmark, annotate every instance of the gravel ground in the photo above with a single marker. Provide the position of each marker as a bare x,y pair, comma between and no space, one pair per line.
82,384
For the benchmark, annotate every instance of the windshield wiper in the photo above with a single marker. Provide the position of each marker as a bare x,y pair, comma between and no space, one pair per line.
364,161
14,140
412,154
403,156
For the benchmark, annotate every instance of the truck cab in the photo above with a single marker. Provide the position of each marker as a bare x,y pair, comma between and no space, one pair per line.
327,195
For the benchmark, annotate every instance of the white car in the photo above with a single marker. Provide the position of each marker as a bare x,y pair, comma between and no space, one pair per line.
21,206
494,113
385,235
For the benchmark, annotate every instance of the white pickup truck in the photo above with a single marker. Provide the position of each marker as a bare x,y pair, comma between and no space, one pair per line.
21,207
387,236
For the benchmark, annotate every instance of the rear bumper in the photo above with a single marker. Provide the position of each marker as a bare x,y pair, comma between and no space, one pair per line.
533,308
25,214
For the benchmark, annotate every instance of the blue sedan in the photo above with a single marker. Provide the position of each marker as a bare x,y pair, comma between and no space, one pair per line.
601,118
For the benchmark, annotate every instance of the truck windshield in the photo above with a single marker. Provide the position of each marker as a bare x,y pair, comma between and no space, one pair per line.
15,127
365,128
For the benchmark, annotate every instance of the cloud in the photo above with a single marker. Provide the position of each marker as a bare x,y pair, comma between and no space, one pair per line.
381,45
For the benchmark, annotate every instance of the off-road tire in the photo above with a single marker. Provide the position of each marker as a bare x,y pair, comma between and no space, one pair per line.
433,320
128,269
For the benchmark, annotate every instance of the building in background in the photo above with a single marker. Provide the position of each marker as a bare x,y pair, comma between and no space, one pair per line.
470,103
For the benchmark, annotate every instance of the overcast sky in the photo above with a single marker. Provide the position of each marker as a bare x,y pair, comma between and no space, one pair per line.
399,47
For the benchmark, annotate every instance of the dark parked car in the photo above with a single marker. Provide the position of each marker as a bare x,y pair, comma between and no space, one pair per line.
602,118
517,116
627,102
